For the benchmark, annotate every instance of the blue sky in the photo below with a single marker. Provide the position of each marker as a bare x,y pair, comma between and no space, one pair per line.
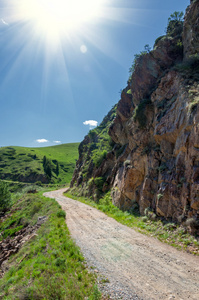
53,81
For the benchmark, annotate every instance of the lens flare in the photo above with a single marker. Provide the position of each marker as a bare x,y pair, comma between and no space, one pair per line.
57,17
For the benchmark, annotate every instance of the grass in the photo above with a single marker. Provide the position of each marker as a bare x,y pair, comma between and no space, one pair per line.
166,232
26,164
49,266
100,143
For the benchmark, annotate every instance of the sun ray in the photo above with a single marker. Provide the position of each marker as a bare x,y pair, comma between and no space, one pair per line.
59,30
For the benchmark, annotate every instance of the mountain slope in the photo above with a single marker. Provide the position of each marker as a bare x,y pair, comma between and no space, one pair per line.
154,157
26,164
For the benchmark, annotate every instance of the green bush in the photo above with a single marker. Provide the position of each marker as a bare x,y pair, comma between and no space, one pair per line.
99,182
5,197
175,24
61,214
36,208
99,157
158,39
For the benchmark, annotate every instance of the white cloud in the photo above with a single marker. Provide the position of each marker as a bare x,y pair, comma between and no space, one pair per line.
4,22
42,141
57,142
83,49
91,123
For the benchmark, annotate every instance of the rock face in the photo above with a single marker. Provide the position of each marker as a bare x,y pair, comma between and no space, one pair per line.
154,160
191,30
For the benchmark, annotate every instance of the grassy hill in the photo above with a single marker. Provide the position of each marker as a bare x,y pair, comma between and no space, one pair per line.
48,265
26,164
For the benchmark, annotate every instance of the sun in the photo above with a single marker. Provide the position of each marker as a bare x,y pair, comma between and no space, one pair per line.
56,17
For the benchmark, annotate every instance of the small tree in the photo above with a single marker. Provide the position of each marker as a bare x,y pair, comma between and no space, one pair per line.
175,24
57,169
5,197
147,48
47,168
44,160
176,16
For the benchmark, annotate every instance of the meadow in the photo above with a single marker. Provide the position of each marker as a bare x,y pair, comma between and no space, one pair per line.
26,164
49,265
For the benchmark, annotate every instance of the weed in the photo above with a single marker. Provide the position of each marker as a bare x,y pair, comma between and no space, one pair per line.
61,214
99,182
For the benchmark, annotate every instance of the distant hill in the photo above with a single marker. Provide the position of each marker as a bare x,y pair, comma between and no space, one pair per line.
26,164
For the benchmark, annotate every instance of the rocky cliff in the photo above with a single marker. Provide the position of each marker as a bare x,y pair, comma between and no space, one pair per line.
152,155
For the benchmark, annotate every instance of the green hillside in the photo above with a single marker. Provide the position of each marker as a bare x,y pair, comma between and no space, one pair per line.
26,164
49,265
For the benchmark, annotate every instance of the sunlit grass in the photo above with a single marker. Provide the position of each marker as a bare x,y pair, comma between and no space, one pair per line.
18,162
49,266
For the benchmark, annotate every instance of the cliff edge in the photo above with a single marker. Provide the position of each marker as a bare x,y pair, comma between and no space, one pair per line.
146,150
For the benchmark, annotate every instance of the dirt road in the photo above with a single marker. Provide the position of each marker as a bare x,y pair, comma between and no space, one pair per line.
137,266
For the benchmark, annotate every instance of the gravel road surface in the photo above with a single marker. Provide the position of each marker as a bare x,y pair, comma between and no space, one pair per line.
137,266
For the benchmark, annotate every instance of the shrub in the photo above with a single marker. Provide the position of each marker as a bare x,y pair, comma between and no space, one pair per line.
5,197
106,200
57,169
158,39
47,165
91,181
175,24
99,182
61,214
99,157
36,208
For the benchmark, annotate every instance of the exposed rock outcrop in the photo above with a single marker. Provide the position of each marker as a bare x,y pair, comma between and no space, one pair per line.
191,30
154,160
11,246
